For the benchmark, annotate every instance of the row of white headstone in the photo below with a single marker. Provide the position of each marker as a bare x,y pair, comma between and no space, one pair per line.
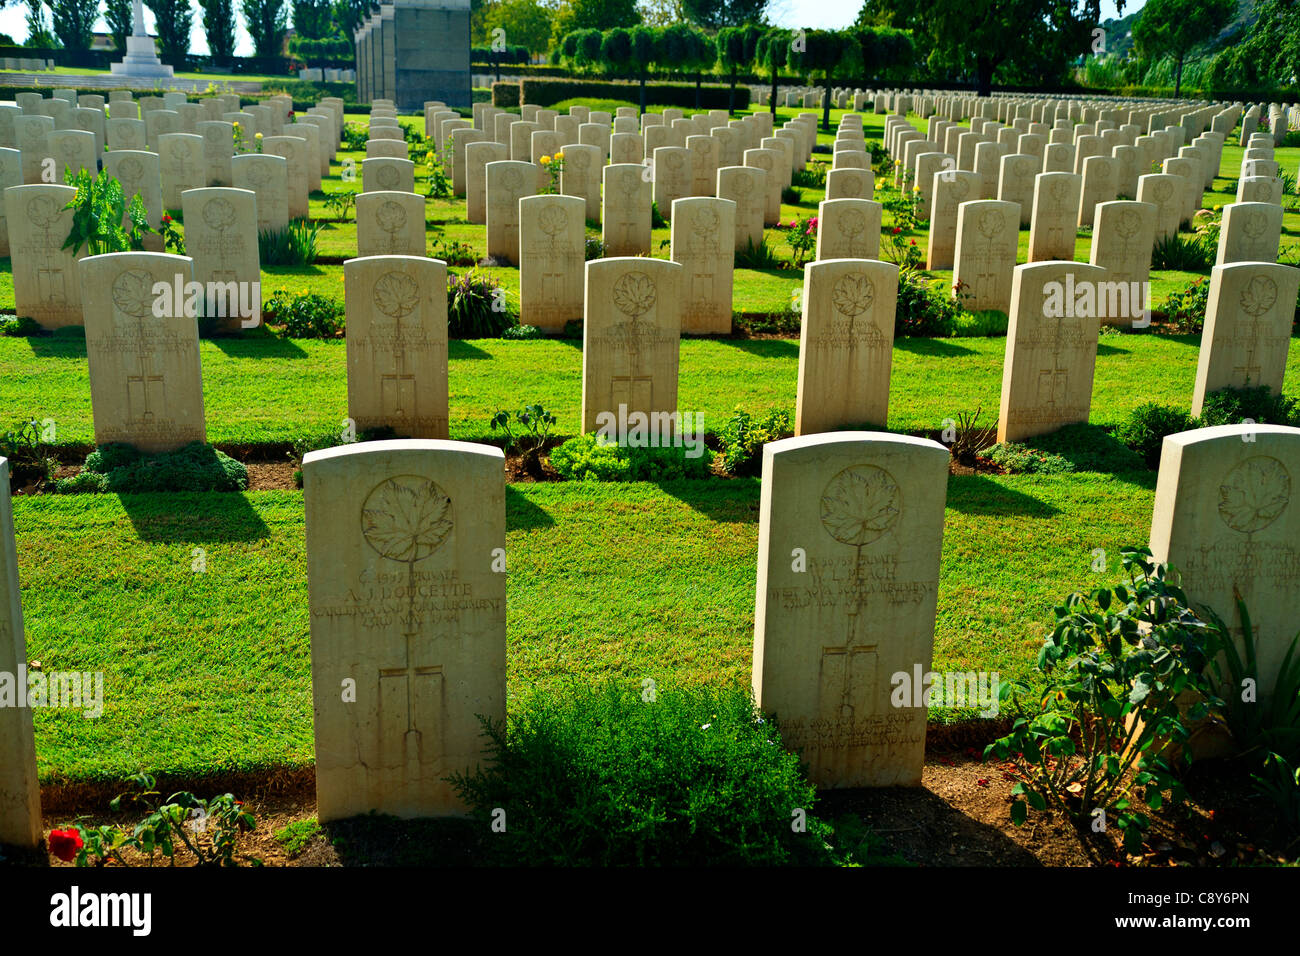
407,591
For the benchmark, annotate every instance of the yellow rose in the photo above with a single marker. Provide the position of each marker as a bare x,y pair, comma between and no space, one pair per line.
257,136
560,154
545,160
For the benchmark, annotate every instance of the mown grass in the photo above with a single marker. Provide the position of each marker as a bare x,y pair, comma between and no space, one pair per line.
210,672
262,389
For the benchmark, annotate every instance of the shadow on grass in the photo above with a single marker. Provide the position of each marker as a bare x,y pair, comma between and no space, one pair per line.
764,348
461,349
259,345
387,841
904,821
979,495
172,518
732,501
65,344
1093,448
925,346
1104,348
522,514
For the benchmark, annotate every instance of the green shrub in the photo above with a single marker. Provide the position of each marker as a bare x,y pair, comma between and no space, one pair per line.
127,470
19,326
742,439
623,777
84,482
761,256
922,310
477,307
1117,662
1146,427
591,457
810,177
657,220
1019,459
523,332
28,456
547,92
980,324
304,315
1088,448
295,245
1185,310
791,196
505,94
1231,406
595,248
355,136
1182,253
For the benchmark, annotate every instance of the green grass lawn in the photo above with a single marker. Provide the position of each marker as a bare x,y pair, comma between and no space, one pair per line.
263,389
210,672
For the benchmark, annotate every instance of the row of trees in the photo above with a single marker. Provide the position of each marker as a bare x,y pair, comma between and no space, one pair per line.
824,56
71,23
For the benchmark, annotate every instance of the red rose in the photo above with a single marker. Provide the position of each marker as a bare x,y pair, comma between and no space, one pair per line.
166,219
65,844
897,230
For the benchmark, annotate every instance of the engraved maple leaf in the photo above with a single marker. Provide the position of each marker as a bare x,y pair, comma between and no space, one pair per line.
1259,295
406,518
853,294
1254,494
634,294
396,295
860,504
553,219
132,293
391,217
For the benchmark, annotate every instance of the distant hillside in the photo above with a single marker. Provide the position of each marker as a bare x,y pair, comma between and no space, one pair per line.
1119,33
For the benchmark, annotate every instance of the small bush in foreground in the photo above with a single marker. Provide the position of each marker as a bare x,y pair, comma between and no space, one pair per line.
476,308
1098,740
294,245
29,459
607,777
1260,404
122,469
1185,310
1019,459
922,310
19,326
590,457
304,315
743,437
1147,426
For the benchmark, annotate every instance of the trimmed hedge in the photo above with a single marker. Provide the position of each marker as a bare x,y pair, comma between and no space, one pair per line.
505,95
546,92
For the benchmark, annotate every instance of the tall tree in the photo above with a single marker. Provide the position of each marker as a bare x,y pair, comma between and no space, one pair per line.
73,22
974,38
772,54
312,19
39,36
595,15
525,22
121,21
661,13
824,54
1176,27
716,14
219,28
348,14
1267,56
736,46
266,22
174,21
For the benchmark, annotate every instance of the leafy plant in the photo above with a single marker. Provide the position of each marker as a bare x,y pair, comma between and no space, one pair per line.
610,777
1118,663
523,332
209,829
440,185
477,307
1147,425
1185,310
98,211
119,468
341,204
554,166
1016,458
761,256
173,238
902,251
595,248
454,252
591,457
922,310
742,439
355,137
295,245
1182,253
304,315
810,177
791,196
657,220
28,455
19,326
969,439
803,240
1259,404
535,424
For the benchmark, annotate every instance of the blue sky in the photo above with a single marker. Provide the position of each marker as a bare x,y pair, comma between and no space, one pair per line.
814,14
